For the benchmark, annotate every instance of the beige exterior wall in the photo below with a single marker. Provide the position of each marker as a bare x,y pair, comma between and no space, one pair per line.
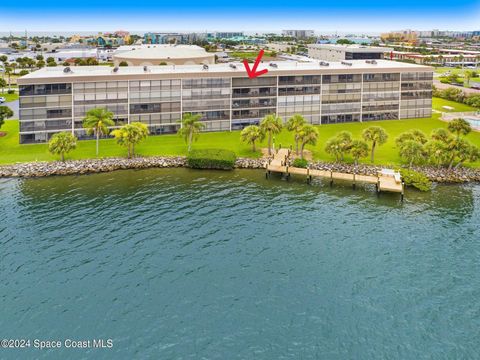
209,59
326,54
53,101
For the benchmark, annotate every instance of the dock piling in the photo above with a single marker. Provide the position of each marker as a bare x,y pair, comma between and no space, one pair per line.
280,163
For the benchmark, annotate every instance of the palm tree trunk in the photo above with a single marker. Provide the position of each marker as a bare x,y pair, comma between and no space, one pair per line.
301,151
190,134
133,150
269,143
253,146
296,144
62,155
450,165
373,153
98,140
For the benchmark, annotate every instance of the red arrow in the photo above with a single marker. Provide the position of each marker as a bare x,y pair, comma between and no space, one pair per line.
253,73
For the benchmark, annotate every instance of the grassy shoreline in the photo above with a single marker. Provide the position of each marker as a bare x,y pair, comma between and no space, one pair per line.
173,145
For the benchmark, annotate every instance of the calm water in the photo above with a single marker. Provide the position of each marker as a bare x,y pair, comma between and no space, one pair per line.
179,264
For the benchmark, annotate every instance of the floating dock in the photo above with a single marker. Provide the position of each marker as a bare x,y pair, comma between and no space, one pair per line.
387,180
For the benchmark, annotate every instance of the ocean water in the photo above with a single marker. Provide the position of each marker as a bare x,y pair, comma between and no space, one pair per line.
184,264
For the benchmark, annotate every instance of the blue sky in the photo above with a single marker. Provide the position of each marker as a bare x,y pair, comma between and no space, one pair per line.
247,15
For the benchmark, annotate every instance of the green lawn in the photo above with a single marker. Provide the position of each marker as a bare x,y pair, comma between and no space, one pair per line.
9,97
441,70
252,55
437,104
460,72
11,151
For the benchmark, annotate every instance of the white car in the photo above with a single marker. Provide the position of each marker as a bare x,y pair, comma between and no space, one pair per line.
2,99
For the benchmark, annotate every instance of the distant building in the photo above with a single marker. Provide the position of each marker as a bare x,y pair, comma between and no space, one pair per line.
298,34
278,46
226,35
115,39
337,52
173,38
162,54
472,58
407,36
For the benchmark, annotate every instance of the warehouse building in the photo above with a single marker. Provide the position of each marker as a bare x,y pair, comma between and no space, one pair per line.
340,52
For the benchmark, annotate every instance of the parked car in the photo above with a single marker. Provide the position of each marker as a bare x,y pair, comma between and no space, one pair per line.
2,99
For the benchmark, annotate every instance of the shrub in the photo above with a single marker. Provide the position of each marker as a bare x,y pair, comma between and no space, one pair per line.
11,91
211,159
416,179
300,163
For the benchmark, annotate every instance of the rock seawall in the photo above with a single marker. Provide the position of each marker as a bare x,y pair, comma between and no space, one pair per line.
439,175
90,166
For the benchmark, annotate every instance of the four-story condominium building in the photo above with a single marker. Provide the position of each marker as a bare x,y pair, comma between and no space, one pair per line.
57,99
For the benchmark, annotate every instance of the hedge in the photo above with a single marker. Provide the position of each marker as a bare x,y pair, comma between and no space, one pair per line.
211,159
300,163
416,179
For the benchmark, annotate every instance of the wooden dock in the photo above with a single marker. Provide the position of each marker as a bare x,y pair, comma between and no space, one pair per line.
389,182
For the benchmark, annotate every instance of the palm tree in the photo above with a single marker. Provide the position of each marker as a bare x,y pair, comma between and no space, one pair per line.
437,152
377,136
468,75
295,124
62,143
414,134
459,127
345,140
191,127
5,113
358,149
334,147
412,151
308,135
470,153
251,134
459,148
96,122
130,135
8,71
3,84
271,125
440,135
440,59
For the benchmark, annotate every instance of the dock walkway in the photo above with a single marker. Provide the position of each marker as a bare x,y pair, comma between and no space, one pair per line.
384,181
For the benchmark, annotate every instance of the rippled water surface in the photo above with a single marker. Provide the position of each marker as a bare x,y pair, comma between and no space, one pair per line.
179,264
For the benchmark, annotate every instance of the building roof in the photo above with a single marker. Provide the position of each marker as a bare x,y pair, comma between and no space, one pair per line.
92,73
162,51
350,48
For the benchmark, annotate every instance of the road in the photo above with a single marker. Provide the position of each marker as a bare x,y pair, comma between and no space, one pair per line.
439,85
14,106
